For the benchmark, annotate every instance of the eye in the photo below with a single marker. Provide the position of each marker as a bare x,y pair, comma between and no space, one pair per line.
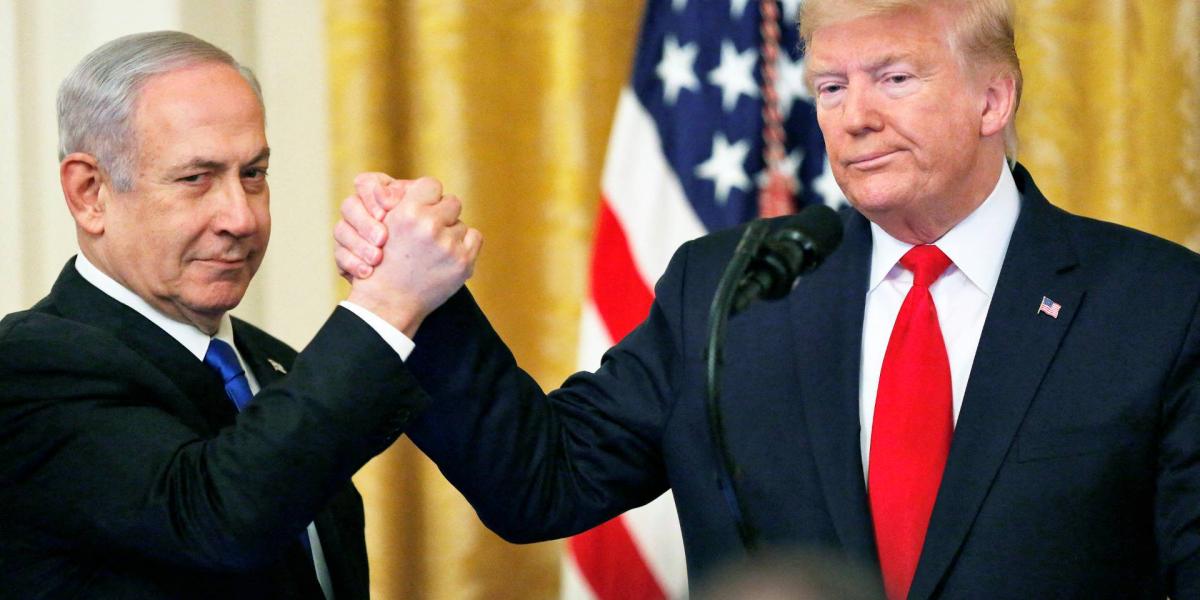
898,78
196,178
254,173
829,88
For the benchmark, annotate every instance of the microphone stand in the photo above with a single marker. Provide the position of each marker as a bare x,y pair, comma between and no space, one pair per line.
718,316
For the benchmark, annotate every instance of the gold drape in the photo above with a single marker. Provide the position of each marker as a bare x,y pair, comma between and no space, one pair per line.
1110,121
509,103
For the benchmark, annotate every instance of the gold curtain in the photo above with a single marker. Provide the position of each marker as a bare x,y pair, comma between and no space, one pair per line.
508,102
1110,120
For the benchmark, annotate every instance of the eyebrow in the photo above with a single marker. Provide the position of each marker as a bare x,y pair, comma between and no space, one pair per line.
889,60
204,163
873,66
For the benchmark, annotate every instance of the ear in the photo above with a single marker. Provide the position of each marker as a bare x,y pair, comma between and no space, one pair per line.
1000,101
85,189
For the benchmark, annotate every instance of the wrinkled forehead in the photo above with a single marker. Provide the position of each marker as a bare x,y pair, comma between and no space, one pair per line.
818,15
205,110
871,41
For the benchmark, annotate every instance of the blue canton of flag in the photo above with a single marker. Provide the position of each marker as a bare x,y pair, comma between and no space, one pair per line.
698,74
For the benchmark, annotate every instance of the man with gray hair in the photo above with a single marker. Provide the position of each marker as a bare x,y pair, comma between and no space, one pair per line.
978,395
151,446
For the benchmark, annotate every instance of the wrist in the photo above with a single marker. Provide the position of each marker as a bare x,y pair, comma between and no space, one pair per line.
397,311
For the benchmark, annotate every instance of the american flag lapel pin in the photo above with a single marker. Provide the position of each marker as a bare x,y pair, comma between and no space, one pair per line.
1049,307
278,367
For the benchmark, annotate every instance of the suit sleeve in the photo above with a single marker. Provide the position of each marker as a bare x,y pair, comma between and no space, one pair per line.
92,459
1178,498
540,466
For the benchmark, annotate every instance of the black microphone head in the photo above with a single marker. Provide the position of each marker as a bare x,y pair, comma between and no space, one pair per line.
821,225
798,246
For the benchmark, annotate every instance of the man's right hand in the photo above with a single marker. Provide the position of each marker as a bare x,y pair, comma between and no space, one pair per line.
403,248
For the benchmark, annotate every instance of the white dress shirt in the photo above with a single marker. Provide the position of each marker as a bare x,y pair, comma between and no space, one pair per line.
976,246
196,342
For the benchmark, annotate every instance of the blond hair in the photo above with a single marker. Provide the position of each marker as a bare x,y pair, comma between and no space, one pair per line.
982,33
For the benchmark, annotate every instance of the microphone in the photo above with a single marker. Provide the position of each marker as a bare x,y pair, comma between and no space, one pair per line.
763,265
799,246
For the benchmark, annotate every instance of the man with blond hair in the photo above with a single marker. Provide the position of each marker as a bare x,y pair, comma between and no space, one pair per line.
978,395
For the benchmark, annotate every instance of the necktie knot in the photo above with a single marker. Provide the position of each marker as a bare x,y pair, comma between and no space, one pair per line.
222,359
926,262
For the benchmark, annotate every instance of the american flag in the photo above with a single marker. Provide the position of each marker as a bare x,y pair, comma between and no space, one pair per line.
685,157
1049,307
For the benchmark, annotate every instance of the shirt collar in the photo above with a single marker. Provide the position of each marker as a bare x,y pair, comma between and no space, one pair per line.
976,245
192,338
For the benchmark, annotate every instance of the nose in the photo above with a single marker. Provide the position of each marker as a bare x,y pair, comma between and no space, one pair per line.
235,215
860,112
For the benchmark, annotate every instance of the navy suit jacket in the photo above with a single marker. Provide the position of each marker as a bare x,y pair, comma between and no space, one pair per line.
1075,464
125,471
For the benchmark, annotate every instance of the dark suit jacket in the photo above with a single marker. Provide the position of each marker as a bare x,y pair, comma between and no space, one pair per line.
1074,469
125,471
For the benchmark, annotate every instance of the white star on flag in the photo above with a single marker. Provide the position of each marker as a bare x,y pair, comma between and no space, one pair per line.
737,8
724,168
735,74
675,69
790,83
679,5
790,8
827,187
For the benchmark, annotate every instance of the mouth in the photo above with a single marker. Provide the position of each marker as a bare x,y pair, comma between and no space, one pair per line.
224,262
874,160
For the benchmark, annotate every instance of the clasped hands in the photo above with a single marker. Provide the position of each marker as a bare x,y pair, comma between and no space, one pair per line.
402,247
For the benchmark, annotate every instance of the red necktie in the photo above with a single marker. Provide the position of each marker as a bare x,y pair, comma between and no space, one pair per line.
910,435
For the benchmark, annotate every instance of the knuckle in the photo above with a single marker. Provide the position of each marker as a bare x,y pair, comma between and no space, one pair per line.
369,177
427,228
342,257
433,183
410,211
368,252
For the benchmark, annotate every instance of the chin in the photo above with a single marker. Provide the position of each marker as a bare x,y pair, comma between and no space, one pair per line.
865,188
218,298
877,197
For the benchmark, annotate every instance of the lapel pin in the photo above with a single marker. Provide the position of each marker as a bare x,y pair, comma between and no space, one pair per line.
278,367
1049,307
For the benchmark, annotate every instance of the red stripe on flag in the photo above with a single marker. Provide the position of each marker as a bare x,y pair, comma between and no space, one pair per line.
621,297
613,566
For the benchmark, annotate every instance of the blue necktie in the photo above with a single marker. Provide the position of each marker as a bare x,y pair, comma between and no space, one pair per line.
220,356
224,361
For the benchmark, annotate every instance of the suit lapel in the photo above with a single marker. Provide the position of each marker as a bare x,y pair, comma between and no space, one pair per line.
200,401
267,368
827,313
1015,349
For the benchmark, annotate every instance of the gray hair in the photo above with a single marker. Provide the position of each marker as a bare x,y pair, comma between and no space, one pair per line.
96,101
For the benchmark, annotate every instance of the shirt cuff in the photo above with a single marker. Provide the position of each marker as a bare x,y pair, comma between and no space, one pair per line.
392,336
